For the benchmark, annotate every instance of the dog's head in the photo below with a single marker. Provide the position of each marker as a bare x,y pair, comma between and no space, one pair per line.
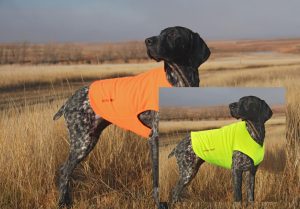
251,108
178,45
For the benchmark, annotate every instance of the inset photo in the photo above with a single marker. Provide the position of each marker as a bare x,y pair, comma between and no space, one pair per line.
221,144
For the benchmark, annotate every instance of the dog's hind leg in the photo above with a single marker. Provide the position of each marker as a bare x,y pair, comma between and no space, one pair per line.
82,144
84,131
188,165
185,177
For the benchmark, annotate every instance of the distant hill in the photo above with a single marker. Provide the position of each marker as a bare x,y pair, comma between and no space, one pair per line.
124,52
204,113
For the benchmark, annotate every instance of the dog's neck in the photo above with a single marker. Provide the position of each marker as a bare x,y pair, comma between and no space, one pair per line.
182,76
257,131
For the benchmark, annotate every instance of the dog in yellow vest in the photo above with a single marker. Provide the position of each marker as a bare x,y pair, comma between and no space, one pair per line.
130,102
238,146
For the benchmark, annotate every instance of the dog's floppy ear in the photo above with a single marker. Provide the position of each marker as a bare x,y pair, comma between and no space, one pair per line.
199,51
266,111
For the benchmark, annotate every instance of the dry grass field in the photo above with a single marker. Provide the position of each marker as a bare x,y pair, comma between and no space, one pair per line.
278,177
117,174
33,147
206,185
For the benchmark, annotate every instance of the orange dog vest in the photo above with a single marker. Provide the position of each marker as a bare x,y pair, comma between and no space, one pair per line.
121,100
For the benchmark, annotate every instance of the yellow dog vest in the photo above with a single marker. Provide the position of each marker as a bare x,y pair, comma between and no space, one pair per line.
216,146
121,100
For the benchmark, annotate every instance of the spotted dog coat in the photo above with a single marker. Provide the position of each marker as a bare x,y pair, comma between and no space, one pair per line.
182,51
255,112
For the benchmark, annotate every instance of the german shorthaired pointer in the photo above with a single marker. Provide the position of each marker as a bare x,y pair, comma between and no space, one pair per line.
182,51
254,112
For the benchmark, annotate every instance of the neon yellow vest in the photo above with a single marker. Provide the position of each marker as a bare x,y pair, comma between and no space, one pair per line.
216,146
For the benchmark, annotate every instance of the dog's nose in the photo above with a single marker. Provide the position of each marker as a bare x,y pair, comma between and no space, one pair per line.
149,41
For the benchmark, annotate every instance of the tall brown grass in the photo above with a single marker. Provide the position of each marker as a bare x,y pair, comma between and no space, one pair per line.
33,147
117,174
278,178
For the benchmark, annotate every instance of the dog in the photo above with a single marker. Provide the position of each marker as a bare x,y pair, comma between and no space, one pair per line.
254,112
182,51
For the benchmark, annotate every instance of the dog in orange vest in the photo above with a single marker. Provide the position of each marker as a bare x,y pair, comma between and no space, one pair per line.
130,102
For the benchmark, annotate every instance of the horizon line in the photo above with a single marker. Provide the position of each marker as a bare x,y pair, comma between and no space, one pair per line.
139,40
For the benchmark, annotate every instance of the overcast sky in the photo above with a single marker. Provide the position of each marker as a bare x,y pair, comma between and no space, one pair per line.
217,96
123,20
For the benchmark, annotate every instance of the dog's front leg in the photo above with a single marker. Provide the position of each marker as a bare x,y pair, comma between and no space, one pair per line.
251,184
153,142
237,184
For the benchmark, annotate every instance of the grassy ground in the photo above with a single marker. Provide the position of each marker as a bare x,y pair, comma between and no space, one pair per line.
117,172
204,186
33,147
278,177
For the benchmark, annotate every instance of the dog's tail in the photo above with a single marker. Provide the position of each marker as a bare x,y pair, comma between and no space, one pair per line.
172,153
59,113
